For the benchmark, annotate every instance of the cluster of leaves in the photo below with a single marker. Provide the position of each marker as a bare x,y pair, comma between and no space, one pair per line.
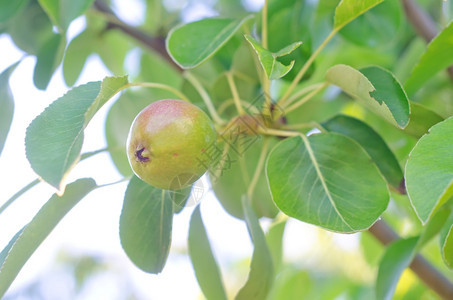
340,179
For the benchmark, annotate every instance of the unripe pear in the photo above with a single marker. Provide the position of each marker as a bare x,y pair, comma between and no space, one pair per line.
167,142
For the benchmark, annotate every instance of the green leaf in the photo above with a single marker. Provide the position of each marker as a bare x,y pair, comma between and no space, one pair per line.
400,254
191,44
225,56
375,88
246,87
181,198
31,28
421,120
261,273
146,224
446,242
155,69
5,252
69,10
396,259
268,60
28,239
389,91
433,227
76,55
371,248
325,10
348,10
373,144
54,139
295,284
288,49
327,180
380,26
62,12
232,175
6,104
112,47
436,58
203,260
274,238
110,86
51,7
295,19
429,176
48,59
242,63
8,8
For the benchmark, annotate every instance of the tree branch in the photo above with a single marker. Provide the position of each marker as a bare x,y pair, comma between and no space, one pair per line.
422,23
156,44
420,20
424,270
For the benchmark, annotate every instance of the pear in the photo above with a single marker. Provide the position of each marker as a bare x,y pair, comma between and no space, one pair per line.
168,143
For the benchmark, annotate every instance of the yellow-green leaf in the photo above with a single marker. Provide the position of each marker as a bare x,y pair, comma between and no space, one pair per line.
268,60
203,260
348,10
437,57
429,170
261,273
6,104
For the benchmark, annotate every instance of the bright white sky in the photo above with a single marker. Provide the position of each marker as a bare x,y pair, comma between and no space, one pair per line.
92,226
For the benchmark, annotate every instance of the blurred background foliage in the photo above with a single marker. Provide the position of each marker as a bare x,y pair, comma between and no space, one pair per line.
329,269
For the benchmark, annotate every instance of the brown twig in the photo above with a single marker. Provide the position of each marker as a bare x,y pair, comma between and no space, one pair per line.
420,20
424,270
156,44
422,23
